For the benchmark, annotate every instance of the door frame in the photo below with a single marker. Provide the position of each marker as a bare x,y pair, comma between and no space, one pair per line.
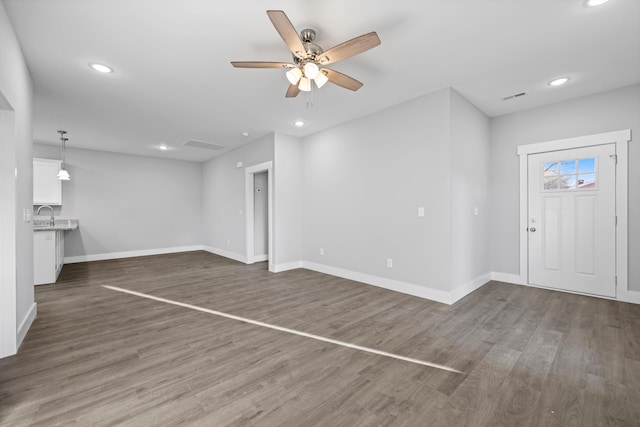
621,140
8,261
249,173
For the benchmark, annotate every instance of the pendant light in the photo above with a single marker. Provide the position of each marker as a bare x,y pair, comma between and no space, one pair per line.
63,175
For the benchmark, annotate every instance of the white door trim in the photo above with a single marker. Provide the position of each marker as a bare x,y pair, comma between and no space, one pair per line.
8,277
249,173
621,139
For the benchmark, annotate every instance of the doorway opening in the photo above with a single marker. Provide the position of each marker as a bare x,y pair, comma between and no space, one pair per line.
260,217
259,213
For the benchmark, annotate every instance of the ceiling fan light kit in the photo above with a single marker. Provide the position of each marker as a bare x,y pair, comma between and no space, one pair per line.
309,59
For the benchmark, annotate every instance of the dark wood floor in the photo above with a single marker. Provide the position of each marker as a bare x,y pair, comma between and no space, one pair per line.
98,357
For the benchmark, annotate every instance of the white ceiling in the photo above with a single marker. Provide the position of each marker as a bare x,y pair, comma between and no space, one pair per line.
173,81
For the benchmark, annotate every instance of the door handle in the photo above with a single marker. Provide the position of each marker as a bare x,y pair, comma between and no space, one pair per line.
532,229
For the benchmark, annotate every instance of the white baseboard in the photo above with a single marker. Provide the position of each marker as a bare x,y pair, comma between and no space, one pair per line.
26,324
277,268
394,285
507,278
625,295
465,289
130,254
226,254
260,258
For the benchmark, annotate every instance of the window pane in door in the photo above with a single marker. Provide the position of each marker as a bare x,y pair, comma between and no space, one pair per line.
568,182
551,167
568,167
587,180
587,165
550,183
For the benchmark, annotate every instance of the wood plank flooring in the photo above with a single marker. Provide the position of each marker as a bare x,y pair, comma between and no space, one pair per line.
529,357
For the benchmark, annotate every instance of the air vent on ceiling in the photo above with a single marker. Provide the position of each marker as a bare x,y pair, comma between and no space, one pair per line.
517,95
202,144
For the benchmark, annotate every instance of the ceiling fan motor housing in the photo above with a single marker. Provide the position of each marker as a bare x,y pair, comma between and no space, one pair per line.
312,50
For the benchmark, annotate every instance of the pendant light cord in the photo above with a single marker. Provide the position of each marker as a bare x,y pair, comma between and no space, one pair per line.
63,140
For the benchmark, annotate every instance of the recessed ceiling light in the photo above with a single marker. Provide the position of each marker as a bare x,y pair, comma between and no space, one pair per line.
245,133
559,81
594,3
163,147
101,68
298,123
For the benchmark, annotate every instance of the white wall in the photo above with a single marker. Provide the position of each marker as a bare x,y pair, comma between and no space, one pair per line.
608,111
16,89
354,191
224,197
128,204
469,157
288,184
363,183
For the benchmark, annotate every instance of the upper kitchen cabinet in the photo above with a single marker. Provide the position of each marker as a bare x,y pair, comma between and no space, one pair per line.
47,188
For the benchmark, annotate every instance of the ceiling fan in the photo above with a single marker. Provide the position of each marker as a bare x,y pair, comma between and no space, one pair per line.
309,60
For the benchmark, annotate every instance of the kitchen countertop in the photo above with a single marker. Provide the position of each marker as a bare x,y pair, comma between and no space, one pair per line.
58,224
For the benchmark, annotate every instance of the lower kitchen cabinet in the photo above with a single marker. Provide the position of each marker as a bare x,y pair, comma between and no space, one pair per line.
48,256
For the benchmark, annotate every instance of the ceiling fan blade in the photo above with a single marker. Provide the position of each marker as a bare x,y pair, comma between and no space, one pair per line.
341,79
287,31
349,48
292,92
259,64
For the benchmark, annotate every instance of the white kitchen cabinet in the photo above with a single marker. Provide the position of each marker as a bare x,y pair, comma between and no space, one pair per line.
47,188
48,256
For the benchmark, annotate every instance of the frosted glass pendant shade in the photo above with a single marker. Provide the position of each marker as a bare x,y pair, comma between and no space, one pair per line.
63,175
293,75
305,84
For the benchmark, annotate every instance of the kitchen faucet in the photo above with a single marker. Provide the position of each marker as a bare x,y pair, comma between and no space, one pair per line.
52,221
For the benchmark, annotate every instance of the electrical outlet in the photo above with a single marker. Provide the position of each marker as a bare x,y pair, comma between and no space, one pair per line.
321,251
421,211
475,211
228,242
389,263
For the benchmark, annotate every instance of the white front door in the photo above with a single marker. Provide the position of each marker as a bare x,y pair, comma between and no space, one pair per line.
571,220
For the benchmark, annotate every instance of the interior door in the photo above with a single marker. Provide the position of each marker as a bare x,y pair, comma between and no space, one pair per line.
571,221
